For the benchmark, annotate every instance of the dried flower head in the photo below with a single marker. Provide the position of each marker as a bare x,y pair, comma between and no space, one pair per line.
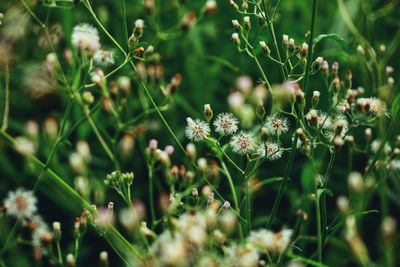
277,125
242,143
226,123
20,203
197,130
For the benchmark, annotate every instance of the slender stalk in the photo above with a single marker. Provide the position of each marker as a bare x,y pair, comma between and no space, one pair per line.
151,195
6,110
142,83
283,184
311,48
319,225
234,195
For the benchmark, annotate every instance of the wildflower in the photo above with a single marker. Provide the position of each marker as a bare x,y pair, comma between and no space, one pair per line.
103,258
304,50
340,126
242,143
25,146
210,6
272,242
42,237
191,151
129,218
51,127
368,134
70,260
285,40
228,221
139,26
208,112
153,144
105,216
356,182
195,192
104,58
315,97
389,225
377,106
97,77
343,204
171,249
197,130
86,38
235,100
236,24
244,256
226,205
88,97
202,164
235,38
277,125
376,144
20,203
226,123
271,150
169,150
247,22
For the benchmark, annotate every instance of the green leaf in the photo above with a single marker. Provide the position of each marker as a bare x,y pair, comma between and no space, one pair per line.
307,178
324,190
332,36
396,107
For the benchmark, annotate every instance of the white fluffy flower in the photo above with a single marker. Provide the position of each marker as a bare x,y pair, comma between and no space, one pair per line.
377,106
242,143
226,123
197,130
271,150
85,37
20,203
104,58
272,242
277,125
376,144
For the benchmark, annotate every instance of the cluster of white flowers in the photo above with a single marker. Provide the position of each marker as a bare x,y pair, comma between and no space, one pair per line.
22,204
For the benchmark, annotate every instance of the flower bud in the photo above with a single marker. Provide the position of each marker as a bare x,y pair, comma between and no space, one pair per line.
208,112
88,97
304,50
315,97
103,259
356,182
265,48
247,22
235,38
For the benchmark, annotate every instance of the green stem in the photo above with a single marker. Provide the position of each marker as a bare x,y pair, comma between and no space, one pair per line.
234,195
283,184
151,195
319,225
6,110
311,48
